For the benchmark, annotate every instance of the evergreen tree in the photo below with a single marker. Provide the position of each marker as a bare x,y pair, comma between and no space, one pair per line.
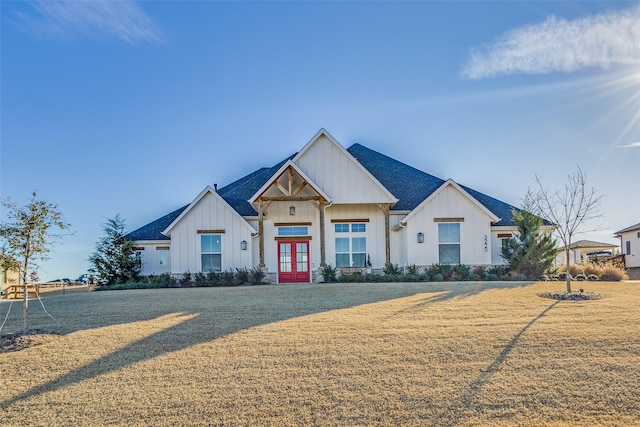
530,252
115,260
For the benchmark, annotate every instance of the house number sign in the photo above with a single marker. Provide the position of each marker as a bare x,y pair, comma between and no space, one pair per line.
486,244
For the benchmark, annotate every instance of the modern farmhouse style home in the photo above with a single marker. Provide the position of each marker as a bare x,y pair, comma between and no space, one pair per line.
350,208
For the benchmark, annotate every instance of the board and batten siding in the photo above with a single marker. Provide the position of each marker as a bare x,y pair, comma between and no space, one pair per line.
339,175
497,234
150,257
374,231
210,214
475,229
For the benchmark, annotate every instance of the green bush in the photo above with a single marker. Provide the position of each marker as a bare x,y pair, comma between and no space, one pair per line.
437,277
241,276
257,276
329,274
391,269
185,280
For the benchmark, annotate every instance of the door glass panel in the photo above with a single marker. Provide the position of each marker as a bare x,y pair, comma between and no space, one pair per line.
285,257
302,264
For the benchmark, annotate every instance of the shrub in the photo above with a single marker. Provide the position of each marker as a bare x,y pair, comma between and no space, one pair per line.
256,276
214,278
438,277
241,276
613,274
227,278
391,269
200,280
185,280
328,273
461,272
413,270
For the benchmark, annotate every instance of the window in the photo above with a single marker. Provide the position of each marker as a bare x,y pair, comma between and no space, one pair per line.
505,244
628,252
163,255
351,250
211,252
358,228
449,242
342,228
293,231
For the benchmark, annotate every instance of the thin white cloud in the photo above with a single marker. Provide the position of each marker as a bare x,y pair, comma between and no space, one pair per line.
632,145
559,45
122,20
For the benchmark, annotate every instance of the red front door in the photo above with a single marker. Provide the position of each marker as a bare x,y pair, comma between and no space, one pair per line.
293,265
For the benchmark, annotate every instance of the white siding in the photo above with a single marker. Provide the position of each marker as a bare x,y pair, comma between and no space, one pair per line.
496,243
475,230
375,232
632,260
339,175
150,257
210,214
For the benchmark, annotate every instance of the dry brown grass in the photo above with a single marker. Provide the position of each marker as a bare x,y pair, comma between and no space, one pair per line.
335,354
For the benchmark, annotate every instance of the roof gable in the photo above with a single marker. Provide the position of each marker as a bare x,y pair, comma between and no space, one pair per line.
339,174
292,168
207,191
451,183
412,186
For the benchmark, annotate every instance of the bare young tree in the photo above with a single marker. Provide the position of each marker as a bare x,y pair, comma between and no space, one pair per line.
28,237
568,208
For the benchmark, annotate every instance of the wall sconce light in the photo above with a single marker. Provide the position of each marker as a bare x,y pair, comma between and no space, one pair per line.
243,245
292,210
420,237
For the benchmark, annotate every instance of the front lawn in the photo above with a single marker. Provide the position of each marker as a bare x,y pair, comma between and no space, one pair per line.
471,353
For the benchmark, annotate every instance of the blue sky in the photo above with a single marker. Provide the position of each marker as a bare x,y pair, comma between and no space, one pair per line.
132,108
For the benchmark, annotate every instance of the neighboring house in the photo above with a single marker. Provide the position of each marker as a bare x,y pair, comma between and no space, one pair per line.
8,277
584,251
630,245
327,205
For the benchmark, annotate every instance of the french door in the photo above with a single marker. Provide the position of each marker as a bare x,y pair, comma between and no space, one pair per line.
293,262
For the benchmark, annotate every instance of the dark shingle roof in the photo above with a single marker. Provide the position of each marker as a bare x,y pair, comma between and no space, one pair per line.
239,192
411,186
408,184
153,230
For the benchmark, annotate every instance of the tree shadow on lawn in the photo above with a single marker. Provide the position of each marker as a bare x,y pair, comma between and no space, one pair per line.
466,401
217,312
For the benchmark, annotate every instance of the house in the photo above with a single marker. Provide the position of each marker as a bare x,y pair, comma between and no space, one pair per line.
584,251
327,205
630,245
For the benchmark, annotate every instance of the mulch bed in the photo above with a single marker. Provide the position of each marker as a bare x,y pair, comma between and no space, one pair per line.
20,341
571,296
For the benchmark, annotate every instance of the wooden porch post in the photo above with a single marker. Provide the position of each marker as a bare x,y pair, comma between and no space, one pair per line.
261,233
322,237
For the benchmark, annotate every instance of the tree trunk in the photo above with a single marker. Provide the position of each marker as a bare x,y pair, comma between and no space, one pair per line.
568,275
25,304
